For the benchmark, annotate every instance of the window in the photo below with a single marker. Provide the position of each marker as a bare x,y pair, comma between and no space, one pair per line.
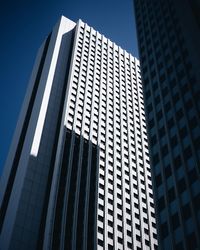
181,185
100,242
171,194
164,230
175,221
186,212
161,203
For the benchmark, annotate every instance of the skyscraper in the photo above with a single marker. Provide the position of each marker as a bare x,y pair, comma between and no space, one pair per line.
169,39
78,174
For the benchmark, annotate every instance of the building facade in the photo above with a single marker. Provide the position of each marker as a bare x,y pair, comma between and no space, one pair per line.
169,38
78,173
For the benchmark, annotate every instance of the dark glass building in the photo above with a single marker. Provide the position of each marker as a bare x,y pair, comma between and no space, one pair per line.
169,45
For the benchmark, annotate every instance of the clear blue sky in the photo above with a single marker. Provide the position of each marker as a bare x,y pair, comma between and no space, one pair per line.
23,26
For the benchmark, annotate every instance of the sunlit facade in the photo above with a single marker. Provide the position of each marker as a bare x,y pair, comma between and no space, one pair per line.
78,173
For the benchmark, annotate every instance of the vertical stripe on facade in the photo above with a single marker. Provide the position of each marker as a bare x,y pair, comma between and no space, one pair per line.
22,136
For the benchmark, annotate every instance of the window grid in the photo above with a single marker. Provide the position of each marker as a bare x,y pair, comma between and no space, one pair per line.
105,105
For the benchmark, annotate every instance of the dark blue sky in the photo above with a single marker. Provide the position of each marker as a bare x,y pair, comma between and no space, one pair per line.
24,24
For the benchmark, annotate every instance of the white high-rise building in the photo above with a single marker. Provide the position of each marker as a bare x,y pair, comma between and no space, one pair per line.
78,173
